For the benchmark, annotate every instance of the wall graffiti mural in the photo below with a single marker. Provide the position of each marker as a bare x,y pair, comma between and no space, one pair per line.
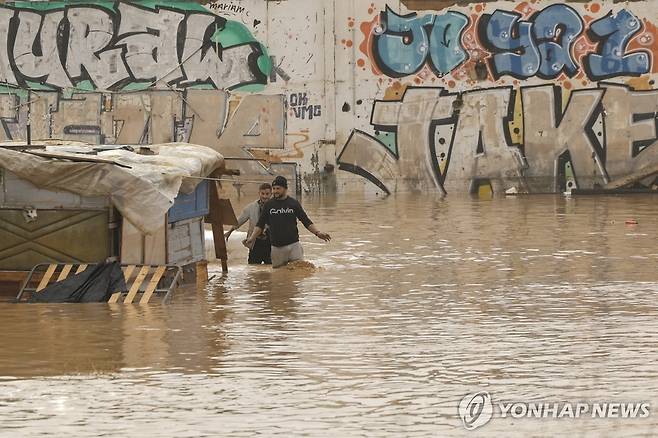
115,46
521,43
540,98
454,141
536,95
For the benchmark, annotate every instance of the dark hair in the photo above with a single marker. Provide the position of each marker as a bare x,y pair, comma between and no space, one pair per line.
265,186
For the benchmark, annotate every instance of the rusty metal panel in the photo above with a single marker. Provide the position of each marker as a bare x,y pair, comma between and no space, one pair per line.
185,242
74,236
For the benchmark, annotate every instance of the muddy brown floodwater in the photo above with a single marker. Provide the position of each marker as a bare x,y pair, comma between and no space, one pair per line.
414,304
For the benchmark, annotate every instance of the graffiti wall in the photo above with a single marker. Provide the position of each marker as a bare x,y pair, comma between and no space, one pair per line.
111,46
342,95
536,96
244,77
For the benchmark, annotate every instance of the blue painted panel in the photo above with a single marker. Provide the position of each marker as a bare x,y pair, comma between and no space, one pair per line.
188,206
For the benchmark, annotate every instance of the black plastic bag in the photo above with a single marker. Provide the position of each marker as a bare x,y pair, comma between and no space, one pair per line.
94,285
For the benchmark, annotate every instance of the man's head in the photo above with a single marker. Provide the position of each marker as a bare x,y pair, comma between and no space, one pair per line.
265,192
279,187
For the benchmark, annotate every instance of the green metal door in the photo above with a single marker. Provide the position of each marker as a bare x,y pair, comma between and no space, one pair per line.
55,236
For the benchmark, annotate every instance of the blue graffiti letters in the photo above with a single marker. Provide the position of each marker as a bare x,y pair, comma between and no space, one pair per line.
402,43
540,45
614,32
555,29
445,50
517,56
543,44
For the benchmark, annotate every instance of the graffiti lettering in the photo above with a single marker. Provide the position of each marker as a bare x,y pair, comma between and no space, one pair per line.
224,7
613,33
541,45
555,29
562,147
93,47
498,33
402,43
299,105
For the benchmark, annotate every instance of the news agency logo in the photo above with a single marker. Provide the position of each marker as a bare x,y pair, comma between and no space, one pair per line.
476,410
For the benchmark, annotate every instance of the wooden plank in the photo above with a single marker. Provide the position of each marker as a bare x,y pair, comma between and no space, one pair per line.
152,284
65,272
76,157
138,282
226,212
46,278
81,268
127,272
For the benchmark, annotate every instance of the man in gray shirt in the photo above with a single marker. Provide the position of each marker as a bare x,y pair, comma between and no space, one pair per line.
280,214
260,249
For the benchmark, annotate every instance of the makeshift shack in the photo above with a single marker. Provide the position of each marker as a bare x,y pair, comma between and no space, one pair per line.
77,203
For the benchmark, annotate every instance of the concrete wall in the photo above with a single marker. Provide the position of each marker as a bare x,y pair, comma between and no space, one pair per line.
348,94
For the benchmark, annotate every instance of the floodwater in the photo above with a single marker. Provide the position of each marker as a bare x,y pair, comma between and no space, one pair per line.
414,304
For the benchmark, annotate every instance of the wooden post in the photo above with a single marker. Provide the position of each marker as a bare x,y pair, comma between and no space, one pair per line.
216,222
221,213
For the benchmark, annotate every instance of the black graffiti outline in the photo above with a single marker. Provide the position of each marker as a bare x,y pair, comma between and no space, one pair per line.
117,38
358,170
453,119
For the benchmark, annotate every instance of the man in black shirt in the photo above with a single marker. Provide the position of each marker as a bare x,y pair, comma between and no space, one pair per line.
281,214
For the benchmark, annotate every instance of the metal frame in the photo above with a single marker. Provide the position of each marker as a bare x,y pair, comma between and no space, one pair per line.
177,270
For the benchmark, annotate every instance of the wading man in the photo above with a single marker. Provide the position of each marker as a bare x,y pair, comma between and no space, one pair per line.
281,213
259,249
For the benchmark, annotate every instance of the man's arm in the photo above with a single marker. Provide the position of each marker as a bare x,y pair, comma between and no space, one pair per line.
244,217
324,236
306,221
260,226
257,232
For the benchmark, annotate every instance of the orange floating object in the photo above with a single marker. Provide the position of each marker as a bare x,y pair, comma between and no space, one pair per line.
631,222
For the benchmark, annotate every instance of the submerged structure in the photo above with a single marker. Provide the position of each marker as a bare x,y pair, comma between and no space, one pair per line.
84,204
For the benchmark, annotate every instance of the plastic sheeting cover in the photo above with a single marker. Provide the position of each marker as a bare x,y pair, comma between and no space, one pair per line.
142,193
94,285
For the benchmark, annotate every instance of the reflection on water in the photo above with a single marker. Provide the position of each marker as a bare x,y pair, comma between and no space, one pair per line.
415,303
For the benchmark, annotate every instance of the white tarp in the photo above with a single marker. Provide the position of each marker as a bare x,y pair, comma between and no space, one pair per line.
143,193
